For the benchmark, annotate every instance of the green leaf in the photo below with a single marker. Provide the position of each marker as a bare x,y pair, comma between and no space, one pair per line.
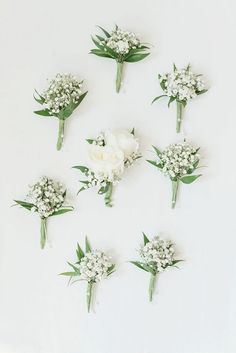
201,92
133,131
90,141
79,252
155,99
145,239
74,268
70,274
103,189
40,100
188,179
100,53
136,57
87,245
107,34
82,168
44,112
80,99
162,84
139,265
174,67
172,99
111,269
158,165
176,262
97,43
62,211
158,152
24,204
100,38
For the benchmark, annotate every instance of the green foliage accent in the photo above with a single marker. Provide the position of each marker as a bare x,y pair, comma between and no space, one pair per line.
136,57
24,204
188,179
62,211
43,112
87,245
155,99
145,239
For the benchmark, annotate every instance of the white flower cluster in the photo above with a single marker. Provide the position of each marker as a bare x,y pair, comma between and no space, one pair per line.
47,196
109,155
122,41
182,84
179,159
62,90
94,266
158,253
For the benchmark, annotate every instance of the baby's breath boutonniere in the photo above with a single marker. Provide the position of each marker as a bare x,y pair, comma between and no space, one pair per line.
60,99
181,86
121,46
47,198
109,155
91,266
157,255
178,161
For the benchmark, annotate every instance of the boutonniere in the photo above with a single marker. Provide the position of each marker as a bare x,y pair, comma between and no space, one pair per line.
109,155
60,99
91,266
46,198
178,161
156,255
121,46
181,86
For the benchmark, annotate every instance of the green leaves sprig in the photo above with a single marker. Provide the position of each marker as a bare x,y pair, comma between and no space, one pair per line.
188,178
62,115
43,221
151,268
76,272
180,103
103,50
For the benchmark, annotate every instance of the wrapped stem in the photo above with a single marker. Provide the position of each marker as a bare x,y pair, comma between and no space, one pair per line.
60,133
89,295
175,186
152,285
179,106
43,232
108,195
119,75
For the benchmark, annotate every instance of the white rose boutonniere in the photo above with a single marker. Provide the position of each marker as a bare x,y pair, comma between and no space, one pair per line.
109,155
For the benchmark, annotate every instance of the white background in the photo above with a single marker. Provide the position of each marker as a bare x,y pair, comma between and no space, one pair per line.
194,308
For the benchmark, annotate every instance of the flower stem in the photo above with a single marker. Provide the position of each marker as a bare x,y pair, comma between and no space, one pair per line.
152,285
108,195
175,186
89,295
119,75
179,115
43,230
60,133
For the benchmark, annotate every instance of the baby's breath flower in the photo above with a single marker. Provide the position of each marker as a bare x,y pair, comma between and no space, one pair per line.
47,195
122,41
181,85
159,253
178,161
62,90
94,266
60,99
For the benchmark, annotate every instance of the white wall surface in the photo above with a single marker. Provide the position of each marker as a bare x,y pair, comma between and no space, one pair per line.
194,308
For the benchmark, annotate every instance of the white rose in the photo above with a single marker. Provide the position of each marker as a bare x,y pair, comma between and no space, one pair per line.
106,161
123,140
